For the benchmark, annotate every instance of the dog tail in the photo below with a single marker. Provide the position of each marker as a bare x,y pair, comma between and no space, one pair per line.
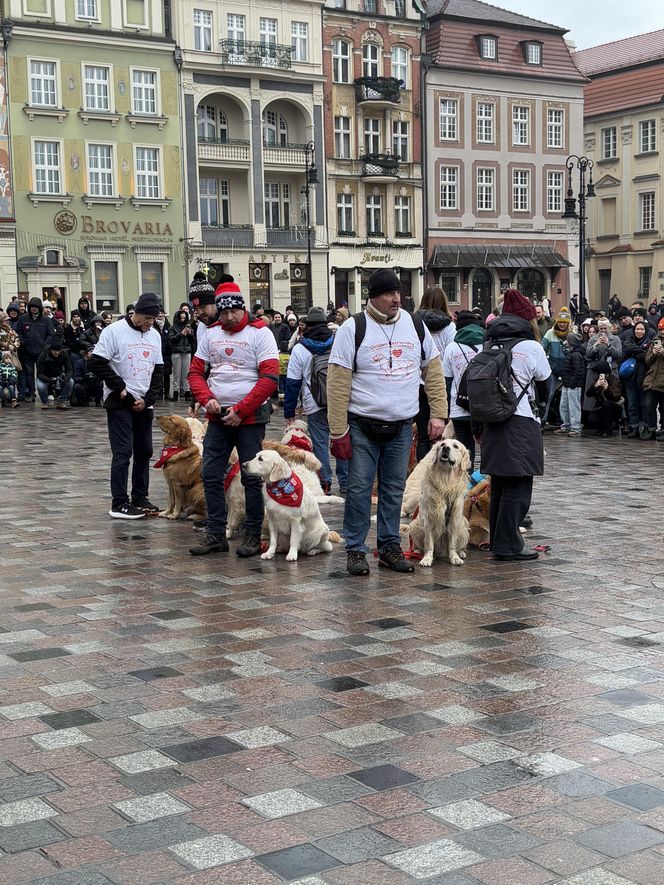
334,538
330,499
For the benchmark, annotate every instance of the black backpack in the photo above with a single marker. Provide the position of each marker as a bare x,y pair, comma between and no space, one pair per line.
462,387
361,331
487,384
318,377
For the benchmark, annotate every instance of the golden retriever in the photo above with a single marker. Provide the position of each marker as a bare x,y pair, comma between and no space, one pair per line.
440,529
298,527
477,509
182,471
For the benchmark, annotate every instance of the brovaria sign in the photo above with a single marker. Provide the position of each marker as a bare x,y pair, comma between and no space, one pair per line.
90,225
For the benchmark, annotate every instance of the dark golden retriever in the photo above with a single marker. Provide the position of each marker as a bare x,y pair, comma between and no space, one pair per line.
182,470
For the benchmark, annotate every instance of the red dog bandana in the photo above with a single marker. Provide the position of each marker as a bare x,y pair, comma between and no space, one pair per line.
230,475
287,492
166,453
300,442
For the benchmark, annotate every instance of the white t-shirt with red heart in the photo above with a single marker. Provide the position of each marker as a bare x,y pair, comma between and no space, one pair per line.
234,359
131,354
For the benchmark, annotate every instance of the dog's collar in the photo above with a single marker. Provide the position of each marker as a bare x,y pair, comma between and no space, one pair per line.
167,453
287,492
231,473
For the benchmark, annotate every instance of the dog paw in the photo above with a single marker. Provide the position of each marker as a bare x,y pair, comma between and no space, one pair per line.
269,554
314,551
172,516
463,554
291,556
455,560
426,562
165,514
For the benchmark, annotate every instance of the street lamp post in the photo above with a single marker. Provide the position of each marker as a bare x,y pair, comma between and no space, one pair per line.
583,165
310,179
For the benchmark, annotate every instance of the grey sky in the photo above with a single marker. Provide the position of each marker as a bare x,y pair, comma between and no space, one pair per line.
591,22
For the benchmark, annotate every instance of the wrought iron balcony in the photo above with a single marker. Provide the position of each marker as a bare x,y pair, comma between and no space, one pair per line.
256,54
240,236
380,166
378,89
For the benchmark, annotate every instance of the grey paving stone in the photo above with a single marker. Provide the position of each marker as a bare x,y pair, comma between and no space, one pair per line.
331,790
24,811
144,760
441,856
579,785
281,803
210,851
497,841
355,846
32,835
443,790
154,834
296,862
151,807
157,781
26,785
620,838
82,876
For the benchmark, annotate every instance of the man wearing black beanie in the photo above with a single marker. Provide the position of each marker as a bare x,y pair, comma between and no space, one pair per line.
128,360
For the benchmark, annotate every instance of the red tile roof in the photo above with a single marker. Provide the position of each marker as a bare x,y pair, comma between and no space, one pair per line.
453,45
624,90
620,53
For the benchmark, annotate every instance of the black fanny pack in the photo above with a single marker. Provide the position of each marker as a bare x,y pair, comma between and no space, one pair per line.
379,431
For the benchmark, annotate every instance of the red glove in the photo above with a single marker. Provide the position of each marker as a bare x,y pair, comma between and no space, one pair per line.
341,448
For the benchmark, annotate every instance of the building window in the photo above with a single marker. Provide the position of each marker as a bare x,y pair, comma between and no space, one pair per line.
147,173
609,143
520,125
647,136
225,201
340,61
520,190
400,65
555,122
400,139
449,283
144,92
43,90
87,9
402,216
448,113
345,214
152,278
275,129
300,41
533,53
400,8
370,60
370,6
203,30
449,187
47,167
375,215
554,192
371,135
100,170
106,285
206,124
209,201
485,118
342,137
235,27
647,210
486,186
645,275
96,88
268,38
277,204
488,47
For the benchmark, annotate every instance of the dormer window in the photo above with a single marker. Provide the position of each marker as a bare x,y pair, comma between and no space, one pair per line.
532,52
488,46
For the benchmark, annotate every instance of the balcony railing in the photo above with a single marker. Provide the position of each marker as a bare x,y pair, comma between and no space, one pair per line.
287,236
256,54
284,154
378,89
240,236
380,165
230,149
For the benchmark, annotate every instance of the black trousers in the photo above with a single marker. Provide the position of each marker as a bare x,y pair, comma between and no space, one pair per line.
510,502
130,434
464,433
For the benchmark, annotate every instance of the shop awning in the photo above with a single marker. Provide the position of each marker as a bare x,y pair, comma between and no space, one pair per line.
450,255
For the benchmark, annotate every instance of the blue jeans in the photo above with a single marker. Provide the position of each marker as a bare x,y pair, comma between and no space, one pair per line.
391,461
319,430
570,409
217,447
636,402
44,389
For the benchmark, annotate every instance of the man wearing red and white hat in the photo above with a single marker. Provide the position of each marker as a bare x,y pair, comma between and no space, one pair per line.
243,362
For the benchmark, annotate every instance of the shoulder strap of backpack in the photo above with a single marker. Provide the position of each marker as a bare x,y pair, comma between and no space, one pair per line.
418,322
463,352
523,388
360,332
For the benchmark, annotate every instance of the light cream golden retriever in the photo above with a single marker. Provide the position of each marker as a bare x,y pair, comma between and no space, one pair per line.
440,529
298,528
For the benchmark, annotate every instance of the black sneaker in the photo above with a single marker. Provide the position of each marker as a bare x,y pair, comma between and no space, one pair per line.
210,544
356,564
250,546
126,511
392,557
200,524
145,505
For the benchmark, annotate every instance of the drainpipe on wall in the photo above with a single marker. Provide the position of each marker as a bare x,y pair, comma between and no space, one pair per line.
6,28
178,58
425,63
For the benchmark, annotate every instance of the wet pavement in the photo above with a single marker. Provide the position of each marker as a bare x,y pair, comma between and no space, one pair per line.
171,720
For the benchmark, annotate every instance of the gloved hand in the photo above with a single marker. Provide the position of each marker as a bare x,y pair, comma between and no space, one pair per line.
341,447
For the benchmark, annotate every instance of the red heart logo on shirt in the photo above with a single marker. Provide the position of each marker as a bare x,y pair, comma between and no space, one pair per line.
228,351
397,353
146,353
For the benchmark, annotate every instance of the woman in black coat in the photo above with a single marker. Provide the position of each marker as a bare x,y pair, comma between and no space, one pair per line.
635,343
512,450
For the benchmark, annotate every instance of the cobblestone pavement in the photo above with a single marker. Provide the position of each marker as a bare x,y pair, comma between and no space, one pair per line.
170,720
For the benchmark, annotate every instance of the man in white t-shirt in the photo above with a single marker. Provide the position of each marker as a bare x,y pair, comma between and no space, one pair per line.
373,395
128,360
243,361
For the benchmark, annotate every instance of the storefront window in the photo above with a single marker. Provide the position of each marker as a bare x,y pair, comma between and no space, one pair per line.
299,276
106,286
259,286
152,278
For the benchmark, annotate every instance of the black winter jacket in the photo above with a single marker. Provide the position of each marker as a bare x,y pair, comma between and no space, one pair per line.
178,342
34,333
574,371
50,366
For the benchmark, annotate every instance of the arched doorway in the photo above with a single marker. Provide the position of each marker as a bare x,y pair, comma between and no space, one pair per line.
483,290
531,283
